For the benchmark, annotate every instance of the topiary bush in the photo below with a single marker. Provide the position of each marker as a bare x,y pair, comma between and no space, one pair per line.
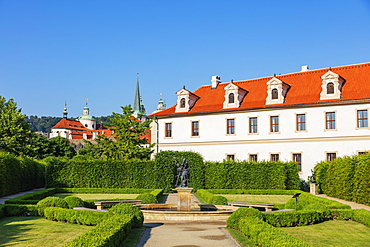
147,198
50,201
219,200
127,208
233,220
74,202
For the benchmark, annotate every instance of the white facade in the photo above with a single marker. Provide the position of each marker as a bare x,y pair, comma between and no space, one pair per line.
307,117
214,144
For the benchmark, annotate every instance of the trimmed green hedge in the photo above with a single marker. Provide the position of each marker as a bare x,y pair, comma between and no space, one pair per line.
20,210
231,174
346,178
263,234
108,233
32,198
211,198
296,218
19,174
165,168
254,192
82,217
306,199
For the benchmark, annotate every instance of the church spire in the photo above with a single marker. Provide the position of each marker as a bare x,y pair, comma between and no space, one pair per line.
65,112
138,103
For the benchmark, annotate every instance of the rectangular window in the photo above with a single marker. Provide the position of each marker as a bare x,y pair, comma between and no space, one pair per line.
168,130
362,119
274,123
331,156
274,157
301,122
363,153
230,157
253,157
195,128
253,125
230,126
330,120
297,158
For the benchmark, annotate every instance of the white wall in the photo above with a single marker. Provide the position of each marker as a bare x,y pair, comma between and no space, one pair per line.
214,144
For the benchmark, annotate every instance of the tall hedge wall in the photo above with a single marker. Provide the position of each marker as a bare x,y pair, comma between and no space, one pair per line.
347,178
159,173
251,175
19,174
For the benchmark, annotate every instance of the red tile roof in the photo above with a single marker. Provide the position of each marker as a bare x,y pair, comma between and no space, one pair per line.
79,129
305,88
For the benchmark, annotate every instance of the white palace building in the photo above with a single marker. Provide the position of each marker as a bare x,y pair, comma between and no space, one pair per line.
307,117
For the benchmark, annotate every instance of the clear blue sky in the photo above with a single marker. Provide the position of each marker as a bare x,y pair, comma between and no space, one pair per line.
52,51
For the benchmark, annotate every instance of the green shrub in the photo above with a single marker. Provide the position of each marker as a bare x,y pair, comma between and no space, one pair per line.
362,216
50,201
2,211
82,217
32,198
219,200
235,217
262,234
342,214
104,190
20,210
127,208
74,202
108,233
347,178
147,198
295,218
254,192
305,199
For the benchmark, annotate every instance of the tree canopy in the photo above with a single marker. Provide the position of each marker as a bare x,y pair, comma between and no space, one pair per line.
15,132
128,141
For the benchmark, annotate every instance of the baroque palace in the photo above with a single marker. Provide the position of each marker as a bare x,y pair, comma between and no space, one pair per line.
306,117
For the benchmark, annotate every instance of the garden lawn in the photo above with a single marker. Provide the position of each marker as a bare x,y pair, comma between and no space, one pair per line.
273,199
332,233
98,196
37,231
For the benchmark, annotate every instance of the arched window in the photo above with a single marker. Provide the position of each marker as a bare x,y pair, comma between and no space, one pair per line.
330,88
231,98
274,94
86,125
182,103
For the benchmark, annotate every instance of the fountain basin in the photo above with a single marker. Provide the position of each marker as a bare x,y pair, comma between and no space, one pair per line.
198,212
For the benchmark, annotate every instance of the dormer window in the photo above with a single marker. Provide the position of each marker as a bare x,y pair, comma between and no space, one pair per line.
231,98
182,103
234,96
274,94
331,86
185,100
276,91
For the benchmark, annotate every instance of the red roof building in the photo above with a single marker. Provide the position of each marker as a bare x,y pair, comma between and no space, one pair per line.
307,117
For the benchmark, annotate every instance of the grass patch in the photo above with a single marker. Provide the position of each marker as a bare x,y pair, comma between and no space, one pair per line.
133,238
37,231
273,199
332,233
98,196
238,236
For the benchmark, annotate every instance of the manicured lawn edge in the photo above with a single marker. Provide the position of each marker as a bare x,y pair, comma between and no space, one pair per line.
34,197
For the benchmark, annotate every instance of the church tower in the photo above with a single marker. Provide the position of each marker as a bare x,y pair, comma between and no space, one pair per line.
138,102
86,119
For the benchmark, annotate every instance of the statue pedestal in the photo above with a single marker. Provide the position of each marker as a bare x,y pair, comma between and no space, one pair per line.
314,189
184,196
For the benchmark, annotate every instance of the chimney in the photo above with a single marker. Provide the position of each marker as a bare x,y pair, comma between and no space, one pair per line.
215,81
304,68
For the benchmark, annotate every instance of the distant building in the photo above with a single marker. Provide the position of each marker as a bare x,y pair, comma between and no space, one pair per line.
85,127
306,117
161,105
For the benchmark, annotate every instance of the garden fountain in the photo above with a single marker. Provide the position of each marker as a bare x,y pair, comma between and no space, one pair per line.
184,209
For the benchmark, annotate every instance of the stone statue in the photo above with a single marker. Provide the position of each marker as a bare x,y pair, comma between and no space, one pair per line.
313,177
183,174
